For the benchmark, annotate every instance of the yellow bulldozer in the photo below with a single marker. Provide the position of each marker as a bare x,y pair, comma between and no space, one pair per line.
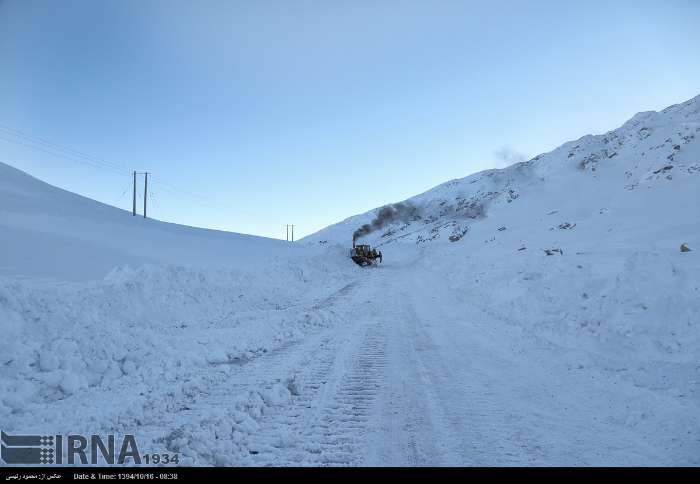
364,255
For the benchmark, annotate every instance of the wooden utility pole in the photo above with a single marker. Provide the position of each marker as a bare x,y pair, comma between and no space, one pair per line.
134,209
292,226
292,232
145,194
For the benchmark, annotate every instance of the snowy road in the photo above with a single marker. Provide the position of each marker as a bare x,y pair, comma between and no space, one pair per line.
411,375
416,362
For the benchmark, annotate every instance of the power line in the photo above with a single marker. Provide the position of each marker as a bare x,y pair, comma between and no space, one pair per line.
120,197
59,155
19,137
195,196
67,149
56,149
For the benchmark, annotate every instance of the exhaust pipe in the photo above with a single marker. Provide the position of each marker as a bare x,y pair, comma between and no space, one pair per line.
353,241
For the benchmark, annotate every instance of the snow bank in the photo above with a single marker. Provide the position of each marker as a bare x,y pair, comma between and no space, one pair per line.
113,355
642,304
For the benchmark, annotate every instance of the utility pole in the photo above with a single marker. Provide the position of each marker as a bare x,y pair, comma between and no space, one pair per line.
145,194
292,226
134,210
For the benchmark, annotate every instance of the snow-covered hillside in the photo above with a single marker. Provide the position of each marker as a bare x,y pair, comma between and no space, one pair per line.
638,185
54,234
541,314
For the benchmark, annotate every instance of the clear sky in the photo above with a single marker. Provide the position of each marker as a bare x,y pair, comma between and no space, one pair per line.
254,114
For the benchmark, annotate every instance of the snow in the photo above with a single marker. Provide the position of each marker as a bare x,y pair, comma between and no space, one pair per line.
51,234
468,345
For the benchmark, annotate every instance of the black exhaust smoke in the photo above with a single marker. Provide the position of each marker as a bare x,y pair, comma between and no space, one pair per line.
398,212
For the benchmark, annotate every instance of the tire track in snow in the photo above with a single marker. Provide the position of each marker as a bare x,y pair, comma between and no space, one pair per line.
338,295
333,415
346,422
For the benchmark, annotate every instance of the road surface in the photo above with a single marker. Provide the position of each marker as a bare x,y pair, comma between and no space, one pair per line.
408,376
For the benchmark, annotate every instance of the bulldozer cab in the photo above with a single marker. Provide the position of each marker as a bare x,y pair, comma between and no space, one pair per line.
364,255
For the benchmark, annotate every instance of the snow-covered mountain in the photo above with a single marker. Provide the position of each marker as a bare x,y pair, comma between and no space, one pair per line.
638,184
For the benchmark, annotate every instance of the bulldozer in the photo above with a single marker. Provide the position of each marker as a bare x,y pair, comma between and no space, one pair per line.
364,255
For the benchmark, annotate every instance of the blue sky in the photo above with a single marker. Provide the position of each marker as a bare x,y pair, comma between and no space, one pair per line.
255,114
